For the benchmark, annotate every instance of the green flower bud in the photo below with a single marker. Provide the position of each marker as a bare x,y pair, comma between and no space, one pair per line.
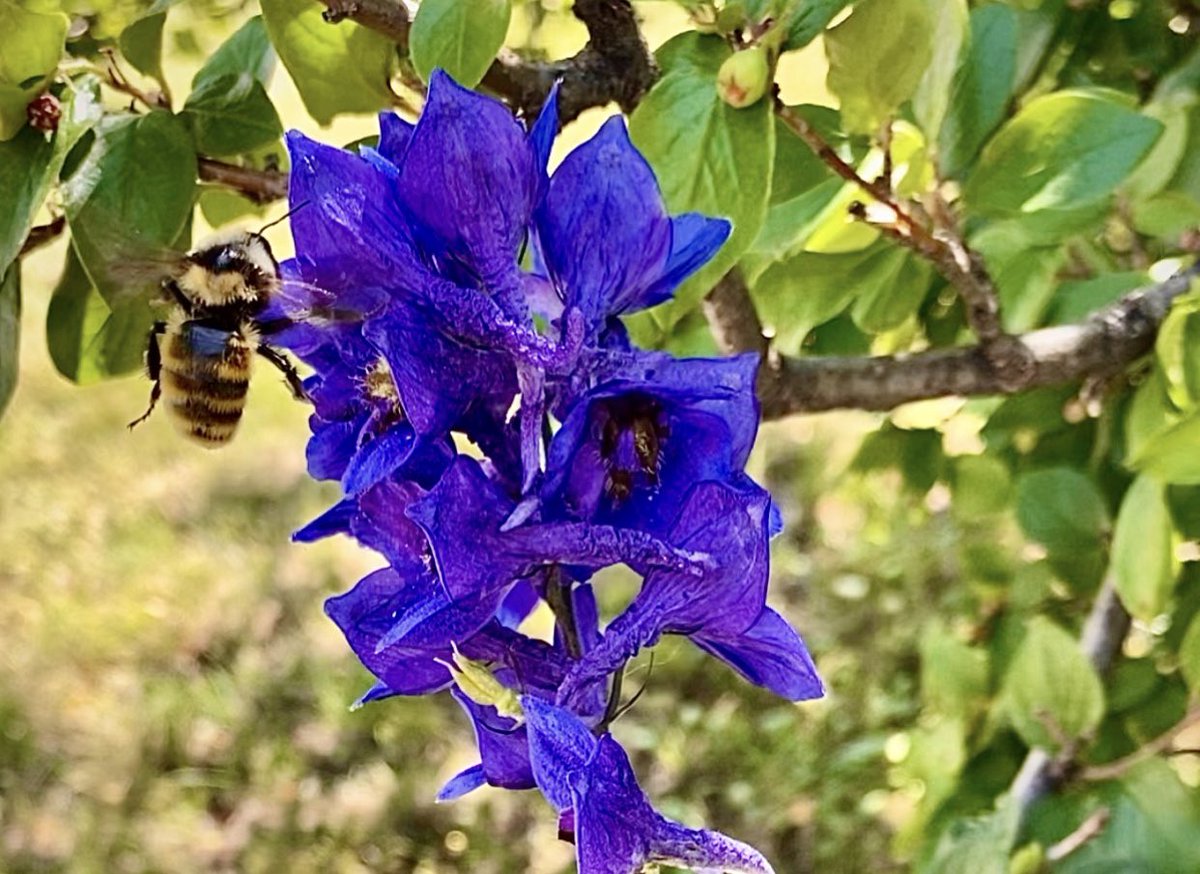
744,77
478,684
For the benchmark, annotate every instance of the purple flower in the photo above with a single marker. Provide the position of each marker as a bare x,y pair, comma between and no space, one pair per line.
721,606
616,829
467,508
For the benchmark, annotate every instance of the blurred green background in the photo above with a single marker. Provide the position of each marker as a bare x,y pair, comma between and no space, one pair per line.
172,697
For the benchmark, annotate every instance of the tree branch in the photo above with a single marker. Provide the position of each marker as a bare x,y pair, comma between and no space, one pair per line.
1102,345
1161,744
615,65
261,186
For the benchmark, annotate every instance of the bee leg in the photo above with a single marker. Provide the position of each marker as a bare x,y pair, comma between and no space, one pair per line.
289,372
153,369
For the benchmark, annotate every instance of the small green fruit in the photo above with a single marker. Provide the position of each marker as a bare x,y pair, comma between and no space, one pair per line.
744,77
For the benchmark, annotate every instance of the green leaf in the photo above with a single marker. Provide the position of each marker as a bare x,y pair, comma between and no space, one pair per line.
135,188
231,114
32,47
979,845
932,98
708,156
1177,349
796,295
337,68
1166,214
1159,440
982,486
954,675
1025,271
460,37
1062,151
220,206
808,20
10,332
1077,299
1143,550
1061,509
29,166
877,57
1051,683
1189,656
88,341
889,303
247,51
141,45
982,88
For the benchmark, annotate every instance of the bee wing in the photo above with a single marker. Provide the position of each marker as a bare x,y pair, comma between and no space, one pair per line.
124,266
301,301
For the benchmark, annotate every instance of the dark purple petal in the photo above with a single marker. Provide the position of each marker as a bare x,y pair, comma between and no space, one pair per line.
344,219
469,181
503,746
377,459
721,520
332,446
541,137
616,829
462,783
695,239
602,230
771,654
394,134
335,520
517,605
632,446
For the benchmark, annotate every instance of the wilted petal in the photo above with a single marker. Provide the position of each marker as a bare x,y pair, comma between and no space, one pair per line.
771,654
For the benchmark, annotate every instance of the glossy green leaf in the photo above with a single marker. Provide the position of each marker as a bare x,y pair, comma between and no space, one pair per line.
231,114
1177,349
796,295
931,101
1051,692
10,332
1159,439
29,166
1075,300
808,20
134,190
1143,550
708,156
982,87
887,304
247,51
460,37
1062,151
33,45
141,44
337,68
877,57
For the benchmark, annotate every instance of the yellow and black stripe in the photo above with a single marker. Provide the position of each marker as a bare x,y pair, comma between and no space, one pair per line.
205,377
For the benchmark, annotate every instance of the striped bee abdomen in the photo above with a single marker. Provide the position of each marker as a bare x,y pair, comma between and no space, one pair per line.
205,376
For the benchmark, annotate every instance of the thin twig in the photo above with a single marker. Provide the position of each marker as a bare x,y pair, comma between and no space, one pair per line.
388,17
1102,345
941,244
1090,828
261,186
562,605
1161,744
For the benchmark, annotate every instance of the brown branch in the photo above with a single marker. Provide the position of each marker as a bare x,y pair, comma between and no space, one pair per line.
615,65
388,17
1161,744
941,243
1090,828
1102,345
42,235
261,186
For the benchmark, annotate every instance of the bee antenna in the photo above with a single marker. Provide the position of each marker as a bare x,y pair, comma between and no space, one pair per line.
295,209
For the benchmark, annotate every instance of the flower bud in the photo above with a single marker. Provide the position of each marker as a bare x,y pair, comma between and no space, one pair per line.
44,112
743,78
477,683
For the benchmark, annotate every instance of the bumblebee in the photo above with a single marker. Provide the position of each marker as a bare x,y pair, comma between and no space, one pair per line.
199,359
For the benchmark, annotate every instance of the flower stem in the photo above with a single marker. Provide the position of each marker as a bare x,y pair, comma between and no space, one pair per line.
558,596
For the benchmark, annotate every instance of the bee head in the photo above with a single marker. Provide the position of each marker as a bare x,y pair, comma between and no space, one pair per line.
230,267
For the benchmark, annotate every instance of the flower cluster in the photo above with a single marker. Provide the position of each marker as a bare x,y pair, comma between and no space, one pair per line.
498,439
